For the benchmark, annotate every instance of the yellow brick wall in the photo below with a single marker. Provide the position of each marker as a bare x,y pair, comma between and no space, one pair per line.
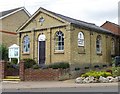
54,56
72,53
8,39
87,54
49,21
13,22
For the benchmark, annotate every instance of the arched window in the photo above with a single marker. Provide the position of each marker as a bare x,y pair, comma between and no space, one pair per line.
80,39
26,44
112,46
59,41
98,45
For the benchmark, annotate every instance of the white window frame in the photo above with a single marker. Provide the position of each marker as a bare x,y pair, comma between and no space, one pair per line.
81,39
59,41
112,46
98,44
26,43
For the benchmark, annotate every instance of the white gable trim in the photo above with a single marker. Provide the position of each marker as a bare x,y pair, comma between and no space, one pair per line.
17,11
40,10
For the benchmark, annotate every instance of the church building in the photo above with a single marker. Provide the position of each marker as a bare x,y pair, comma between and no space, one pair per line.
48,37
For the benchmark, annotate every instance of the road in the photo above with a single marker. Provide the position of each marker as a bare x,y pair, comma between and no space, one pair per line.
65,89
57,86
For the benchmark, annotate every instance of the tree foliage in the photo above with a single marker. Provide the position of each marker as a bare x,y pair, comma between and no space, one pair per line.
3,52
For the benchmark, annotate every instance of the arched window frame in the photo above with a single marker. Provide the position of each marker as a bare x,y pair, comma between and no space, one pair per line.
59,41
26,44
98,44
112,46
81,39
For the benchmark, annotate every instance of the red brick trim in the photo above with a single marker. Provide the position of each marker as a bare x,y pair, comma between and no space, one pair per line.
3,31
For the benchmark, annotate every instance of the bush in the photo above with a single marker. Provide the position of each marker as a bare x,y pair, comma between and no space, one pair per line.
36,66
29,63
14,60
116,71
96,74
11,65
3,53
57,65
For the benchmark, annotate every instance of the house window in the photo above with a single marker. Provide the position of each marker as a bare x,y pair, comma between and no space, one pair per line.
59,41
98,45
26,44
112,46
80,39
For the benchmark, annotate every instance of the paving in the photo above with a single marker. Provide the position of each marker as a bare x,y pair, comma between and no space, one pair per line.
50,84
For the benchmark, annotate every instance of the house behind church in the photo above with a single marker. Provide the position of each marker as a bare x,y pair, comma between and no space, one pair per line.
114,28
48,37
10,21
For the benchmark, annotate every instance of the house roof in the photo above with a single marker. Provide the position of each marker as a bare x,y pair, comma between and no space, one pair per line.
114,28
73,21
4,14
80,23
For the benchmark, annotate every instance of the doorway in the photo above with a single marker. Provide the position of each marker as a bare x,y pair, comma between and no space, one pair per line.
41,50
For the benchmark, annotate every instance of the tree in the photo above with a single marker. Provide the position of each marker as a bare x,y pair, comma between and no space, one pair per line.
3,52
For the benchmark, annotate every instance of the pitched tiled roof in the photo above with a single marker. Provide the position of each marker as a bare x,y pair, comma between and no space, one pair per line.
11,11
81,23
114,28
3,13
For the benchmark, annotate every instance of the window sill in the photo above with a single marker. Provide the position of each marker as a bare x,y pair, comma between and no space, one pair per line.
81,53
59,52
99,53
25,53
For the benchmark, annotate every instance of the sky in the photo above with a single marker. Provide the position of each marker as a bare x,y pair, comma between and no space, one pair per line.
93,11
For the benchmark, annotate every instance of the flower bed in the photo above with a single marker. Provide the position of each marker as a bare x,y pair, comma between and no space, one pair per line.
94,77
101,79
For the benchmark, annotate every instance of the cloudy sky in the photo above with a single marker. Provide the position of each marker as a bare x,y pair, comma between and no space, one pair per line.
93,11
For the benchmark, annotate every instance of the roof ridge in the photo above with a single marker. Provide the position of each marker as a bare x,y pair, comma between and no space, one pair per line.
66,16
12,9
7,12
113,23
76,22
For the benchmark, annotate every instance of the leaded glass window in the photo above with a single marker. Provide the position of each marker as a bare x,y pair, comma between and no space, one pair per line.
26,44
112,46
80,39
98,45
59,41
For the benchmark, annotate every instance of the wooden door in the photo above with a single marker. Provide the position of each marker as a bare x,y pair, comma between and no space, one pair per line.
41,53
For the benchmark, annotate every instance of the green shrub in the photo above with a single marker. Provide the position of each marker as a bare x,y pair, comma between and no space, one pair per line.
14,60
96,74
29,63
10,65
57,65
36,66
3,53
116,71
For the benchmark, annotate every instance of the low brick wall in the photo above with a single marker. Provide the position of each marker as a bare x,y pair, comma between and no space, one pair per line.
2,69
12,72
43,74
